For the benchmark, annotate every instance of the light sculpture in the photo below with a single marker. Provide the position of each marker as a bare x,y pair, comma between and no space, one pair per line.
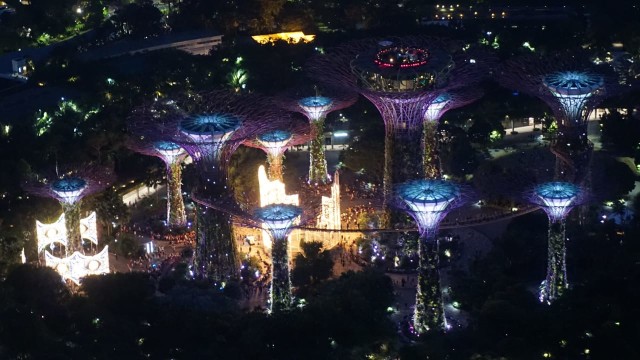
330,207
428,202
77,266
572,87
556,199
56,232
172,155
400,76
315,108
433,111
209,127
275,144
279,218
273,192
69,189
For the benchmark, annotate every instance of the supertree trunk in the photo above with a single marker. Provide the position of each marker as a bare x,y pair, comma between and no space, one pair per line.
72,224
431,162
275,166
216,250
402,162
281,281
317,162
175,204
429,312
556,281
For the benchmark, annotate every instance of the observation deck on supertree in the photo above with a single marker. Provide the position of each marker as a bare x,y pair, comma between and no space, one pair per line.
428,202
399,76
572,87
315,108
433,111
556,199
69,188
279,219
210,126
172,155
276,142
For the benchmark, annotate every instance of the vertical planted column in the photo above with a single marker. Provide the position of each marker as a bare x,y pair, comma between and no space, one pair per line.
216,251
278,218
428,202
70,192
275,143
172,154
557,199
433,112
316,109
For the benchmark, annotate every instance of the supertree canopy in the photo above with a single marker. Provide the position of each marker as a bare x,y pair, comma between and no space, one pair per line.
572,86
69,188
172,155
210,126
279,218
556,199
428,202
400,76
315,108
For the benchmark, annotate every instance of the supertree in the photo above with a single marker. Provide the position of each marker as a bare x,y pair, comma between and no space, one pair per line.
172,155
556,199
276,142
210,126
572,86
315,108
400,76
433,111
279,218
69,187
428,202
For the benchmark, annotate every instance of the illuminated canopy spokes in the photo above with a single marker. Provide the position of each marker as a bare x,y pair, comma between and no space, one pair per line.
557,198
69,189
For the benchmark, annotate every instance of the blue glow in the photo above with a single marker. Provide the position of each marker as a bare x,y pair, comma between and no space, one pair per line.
444,97
427,191
557,190
573,82
166,146
315,101
68,185
210,124
278,212
275,136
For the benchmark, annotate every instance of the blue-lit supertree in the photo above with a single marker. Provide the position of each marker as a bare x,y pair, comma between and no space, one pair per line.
210,126
401,76
428,202
276,142
278,219
172,155
556,199
69,187
433,111
315,108
572,86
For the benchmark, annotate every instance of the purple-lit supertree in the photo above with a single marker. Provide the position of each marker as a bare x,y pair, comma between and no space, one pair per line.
428,202
556,199
172,155
279,219
433,111
315,107
69,187
572,86
210,126
276,142
400,76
